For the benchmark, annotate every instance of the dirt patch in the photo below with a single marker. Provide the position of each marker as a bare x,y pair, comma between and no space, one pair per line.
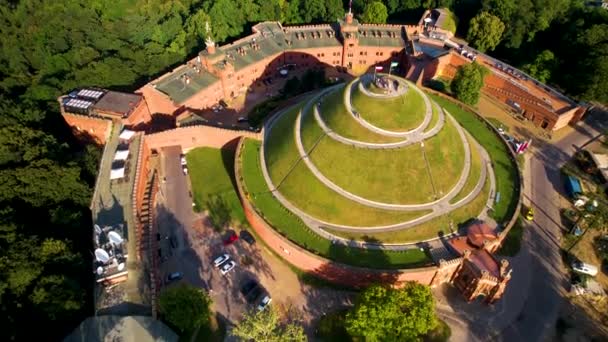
586,252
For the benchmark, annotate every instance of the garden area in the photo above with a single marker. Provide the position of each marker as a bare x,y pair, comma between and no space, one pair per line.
211,175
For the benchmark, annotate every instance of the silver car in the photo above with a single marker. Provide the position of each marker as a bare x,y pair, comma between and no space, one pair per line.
227,267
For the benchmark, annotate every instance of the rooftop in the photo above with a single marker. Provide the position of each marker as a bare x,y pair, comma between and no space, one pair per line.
184,82
479,256
381,36
119,103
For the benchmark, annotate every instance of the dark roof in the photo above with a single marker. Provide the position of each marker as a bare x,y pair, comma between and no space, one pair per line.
116,102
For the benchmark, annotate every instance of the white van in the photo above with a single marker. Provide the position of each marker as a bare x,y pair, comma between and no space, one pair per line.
581,267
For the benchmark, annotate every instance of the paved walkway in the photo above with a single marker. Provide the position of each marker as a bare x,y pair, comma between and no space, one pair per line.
317,225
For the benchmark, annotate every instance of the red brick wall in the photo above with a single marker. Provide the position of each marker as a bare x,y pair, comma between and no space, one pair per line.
140,115
324,268
195,136
85,126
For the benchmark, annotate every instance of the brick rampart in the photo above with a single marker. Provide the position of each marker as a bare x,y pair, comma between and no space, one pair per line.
83,125
194,136
323,268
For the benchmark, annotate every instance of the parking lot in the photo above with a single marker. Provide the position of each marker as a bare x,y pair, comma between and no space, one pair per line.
189,245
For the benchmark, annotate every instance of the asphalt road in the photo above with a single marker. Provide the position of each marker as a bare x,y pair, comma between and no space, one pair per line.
548,282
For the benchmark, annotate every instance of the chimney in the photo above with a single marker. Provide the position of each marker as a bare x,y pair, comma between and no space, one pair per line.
349,18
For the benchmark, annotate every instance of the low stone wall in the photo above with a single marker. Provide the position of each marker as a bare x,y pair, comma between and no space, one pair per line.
512,156
326,269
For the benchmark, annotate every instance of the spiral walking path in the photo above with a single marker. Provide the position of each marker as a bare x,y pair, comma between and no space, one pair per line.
439,207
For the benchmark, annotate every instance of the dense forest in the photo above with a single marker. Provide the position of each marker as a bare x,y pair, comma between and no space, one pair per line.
50,47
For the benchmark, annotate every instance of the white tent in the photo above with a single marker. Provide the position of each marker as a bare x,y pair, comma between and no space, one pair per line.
117,173
121,155
126,134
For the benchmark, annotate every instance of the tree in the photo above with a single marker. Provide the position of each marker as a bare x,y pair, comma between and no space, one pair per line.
266,326
374,13
185,307
485,31
387,314
468,81
541,68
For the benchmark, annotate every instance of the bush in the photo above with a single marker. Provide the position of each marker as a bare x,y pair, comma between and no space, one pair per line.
331,328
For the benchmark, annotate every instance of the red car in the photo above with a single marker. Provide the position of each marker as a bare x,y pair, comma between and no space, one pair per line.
233,237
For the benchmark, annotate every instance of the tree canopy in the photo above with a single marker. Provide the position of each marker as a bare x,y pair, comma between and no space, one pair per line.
185,307
386,314
485,31
543,65
374,13
468,81
267,326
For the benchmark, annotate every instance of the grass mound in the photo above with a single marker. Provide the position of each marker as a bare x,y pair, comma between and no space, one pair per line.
337,118
394,175
398,114
290,226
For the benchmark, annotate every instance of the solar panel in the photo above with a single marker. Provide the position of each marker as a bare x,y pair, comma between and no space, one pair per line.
90,93
80,104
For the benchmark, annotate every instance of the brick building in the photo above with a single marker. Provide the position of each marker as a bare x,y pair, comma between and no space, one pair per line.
90,112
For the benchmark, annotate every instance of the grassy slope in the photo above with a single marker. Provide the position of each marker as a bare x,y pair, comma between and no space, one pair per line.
291,226
336,117
211,176
397,114
429,229
306,192
393,175
505,171
474,172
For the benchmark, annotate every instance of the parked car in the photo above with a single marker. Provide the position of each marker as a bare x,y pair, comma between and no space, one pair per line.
182,160
174,276
264,303
220,260
242,119
584,268
228,267
245,235
233,237
530,214
185,170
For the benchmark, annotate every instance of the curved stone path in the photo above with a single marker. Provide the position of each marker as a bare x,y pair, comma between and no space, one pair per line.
413,138
317,225
304,155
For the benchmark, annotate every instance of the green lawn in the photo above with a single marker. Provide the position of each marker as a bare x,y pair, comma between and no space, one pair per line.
211,174
434,119
336,117
429,229
402,113
306,192
504,169
394,175
474,173
451,21
292,227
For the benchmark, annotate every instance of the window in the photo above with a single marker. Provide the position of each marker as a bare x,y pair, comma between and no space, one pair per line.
350,54
361,53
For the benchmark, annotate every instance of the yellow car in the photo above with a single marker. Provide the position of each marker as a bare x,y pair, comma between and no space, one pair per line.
530,214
